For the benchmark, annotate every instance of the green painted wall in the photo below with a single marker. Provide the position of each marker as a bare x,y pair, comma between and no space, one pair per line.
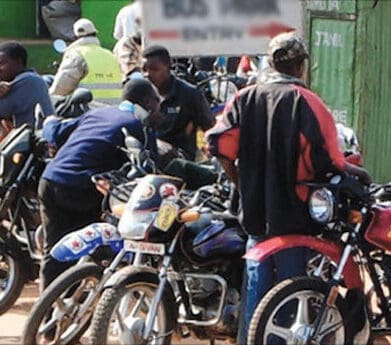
374,64
103,13
350,69
332,60
17,18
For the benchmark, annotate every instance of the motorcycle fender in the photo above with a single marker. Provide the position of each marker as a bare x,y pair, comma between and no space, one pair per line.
11,247
263,250
123,276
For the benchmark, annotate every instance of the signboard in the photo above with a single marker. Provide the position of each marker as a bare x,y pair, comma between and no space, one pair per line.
217,27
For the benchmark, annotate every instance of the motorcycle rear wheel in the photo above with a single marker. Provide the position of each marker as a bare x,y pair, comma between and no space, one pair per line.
56,309
12,280
288,311
117,322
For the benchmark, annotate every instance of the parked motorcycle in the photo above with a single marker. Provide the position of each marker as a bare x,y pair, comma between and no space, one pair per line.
195,287
63,311
22,160
306,310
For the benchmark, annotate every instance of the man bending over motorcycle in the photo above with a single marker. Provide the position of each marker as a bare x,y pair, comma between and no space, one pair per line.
68,197
280,133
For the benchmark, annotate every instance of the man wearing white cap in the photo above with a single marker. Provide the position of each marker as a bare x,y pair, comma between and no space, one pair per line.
87,64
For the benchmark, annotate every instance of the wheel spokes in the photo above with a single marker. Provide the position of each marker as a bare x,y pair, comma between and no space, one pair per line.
330,325
137,305
79,291
302,317
281,332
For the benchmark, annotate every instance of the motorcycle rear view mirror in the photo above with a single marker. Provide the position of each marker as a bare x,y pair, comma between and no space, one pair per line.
38,116
133,145
59,45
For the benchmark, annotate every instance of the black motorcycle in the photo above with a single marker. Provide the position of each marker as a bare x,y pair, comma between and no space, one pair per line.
22,160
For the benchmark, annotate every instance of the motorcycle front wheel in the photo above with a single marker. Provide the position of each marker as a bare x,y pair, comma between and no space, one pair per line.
287,313
120,315
57,317
12,280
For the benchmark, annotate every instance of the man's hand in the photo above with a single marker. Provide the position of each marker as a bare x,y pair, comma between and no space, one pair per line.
361,173
230,169
5,128
5,87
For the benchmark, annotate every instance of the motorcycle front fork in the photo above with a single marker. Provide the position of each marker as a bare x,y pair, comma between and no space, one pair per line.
333,285
163,278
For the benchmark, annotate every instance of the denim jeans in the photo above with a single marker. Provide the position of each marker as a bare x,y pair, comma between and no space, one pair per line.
259,277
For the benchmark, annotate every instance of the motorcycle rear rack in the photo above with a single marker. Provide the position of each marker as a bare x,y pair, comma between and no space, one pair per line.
115,183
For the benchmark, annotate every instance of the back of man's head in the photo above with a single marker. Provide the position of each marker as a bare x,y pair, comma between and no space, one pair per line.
137,90
285,51
15,51
159,52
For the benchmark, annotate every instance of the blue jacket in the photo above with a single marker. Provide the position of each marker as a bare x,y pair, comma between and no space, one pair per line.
27,89
93,145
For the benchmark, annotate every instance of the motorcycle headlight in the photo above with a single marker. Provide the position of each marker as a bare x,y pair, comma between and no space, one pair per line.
321,205
133,225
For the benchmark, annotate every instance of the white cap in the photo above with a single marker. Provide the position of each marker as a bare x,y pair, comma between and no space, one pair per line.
84,27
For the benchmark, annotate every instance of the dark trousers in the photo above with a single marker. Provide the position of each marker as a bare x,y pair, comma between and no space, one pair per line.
63,210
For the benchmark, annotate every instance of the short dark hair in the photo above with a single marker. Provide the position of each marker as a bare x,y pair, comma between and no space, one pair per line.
15,51
158,51
136,90
286,67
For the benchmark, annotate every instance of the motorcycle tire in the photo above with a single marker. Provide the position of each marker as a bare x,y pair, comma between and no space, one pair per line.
67,281
265,318
111,298
12,278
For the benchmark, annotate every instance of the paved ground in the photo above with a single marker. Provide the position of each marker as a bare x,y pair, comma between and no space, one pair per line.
11,324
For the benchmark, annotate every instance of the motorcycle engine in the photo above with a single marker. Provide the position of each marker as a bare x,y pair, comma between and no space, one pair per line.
229,322
206,296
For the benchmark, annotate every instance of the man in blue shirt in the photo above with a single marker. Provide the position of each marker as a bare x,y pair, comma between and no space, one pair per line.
20,88
68,197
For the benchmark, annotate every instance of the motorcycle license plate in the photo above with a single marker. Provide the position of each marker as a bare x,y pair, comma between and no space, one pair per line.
166,215
144,247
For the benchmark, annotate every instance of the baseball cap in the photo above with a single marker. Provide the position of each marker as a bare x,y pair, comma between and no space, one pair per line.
84,27
286,47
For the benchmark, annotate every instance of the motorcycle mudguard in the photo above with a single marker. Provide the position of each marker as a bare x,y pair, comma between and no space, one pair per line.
11,246
83,242
265,249
122,277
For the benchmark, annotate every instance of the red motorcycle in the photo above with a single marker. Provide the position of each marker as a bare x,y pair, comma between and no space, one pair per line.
356,300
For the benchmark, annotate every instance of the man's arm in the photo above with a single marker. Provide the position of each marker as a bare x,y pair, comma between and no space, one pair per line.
355,170
6,107
230,169
56,130
223,139
73,68
117,34
328,133
203,116
5,87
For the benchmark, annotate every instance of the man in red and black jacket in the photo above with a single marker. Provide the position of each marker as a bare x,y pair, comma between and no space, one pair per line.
272,136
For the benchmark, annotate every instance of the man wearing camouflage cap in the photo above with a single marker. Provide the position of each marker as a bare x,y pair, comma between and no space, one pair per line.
272,136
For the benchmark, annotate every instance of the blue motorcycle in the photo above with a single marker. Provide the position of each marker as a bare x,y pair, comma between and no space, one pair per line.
195,287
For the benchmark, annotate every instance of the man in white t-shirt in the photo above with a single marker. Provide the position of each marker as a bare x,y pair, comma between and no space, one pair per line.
128,20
